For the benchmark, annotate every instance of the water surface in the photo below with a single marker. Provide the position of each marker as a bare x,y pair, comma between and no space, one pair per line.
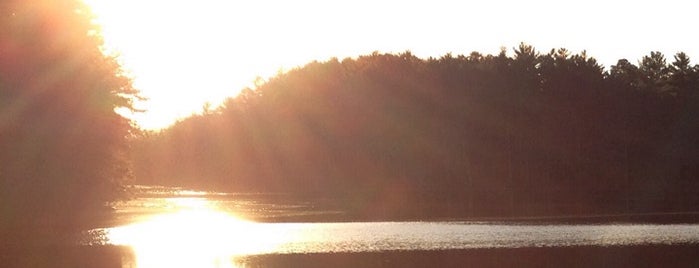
198,229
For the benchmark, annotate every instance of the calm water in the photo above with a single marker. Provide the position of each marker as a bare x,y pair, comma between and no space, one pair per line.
186,229
378,236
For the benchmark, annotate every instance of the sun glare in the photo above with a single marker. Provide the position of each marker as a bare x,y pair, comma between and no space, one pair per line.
196,235
182,55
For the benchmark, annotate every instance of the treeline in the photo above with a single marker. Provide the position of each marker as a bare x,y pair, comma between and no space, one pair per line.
467,135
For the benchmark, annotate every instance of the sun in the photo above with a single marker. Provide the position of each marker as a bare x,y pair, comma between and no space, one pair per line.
182,55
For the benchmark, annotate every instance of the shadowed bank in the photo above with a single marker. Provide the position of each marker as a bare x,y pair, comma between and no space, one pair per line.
633,256
637,256
66,256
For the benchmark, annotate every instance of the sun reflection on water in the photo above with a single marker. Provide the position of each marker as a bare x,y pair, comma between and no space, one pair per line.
196,234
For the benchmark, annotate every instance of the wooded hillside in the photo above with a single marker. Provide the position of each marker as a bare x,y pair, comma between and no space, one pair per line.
467,135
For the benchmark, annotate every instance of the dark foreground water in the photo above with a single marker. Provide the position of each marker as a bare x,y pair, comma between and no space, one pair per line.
171,228
584,256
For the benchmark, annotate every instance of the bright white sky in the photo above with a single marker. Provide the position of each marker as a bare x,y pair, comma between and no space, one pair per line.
185,53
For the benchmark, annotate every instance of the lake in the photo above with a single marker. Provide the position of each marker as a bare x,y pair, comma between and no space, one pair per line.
170,227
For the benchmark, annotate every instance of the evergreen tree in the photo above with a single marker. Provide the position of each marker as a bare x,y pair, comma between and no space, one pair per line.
63,150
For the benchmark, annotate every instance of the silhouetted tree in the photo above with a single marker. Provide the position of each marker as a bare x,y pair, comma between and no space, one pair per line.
683,77
654,72
625,74
63,156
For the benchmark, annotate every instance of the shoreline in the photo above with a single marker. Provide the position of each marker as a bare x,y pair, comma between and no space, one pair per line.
253,206
655,255
638,218
576,256
106,256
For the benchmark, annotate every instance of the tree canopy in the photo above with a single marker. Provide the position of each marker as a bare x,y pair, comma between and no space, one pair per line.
62,145
480,135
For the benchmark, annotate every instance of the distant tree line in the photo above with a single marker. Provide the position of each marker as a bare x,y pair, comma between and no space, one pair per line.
467,135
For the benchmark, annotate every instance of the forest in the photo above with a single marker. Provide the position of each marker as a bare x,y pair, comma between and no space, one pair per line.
394,135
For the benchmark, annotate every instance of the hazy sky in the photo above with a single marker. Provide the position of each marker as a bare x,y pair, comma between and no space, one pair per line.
184,53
